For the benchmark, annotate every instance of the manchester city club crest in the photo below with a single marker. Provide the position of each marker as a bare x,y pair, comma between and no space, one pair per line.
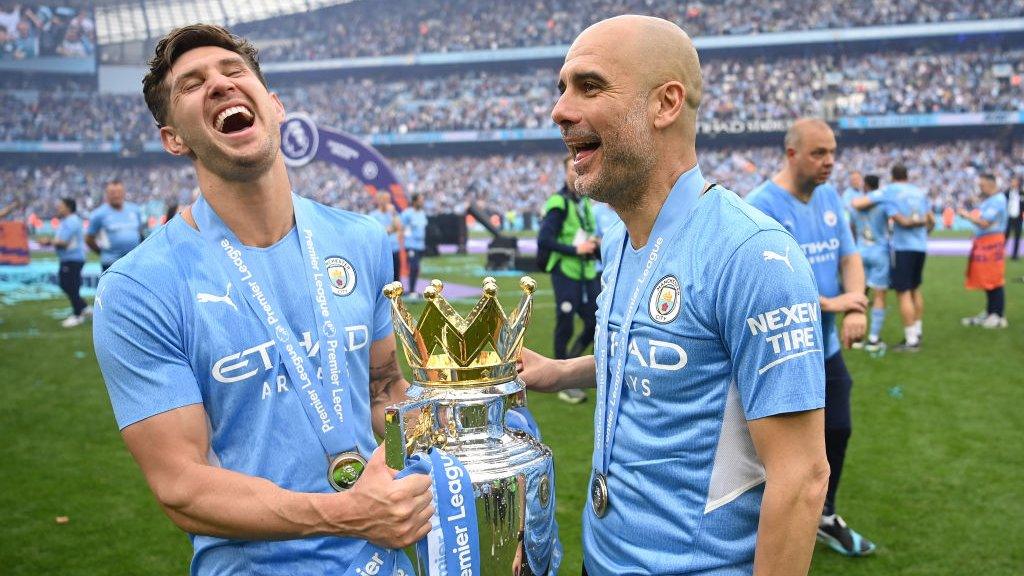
666,300
830,218
342,275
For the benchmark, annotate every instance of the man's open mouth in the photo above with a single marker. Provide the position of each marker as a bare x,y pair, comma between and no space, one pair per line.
581,149
234,119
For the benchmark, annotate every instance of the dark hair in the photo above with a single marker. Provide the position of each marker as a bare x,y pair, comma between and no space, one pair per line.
114,182
180,41
70,204
987,176
899,172
415,197
871,181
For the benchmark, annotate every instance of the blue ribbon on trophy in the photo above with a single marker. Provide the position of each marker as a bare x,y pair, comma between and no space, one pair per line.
466,402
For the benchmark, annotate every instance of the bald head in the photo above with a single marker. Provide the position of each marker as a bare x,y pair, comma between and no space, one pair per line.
656,50
810,154
630,88
803,128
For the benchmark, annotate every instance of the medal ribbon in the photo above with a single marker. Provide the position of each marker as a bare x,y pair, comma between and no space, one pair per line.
453,545
317,395
608,393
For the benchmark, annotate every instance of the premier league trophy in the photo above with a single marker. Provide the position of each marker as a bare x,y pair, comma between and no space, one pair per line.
467,401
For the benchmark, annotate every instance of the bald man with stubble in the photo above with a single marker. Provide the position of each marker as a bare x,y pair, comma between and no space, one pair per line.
708,452
800,198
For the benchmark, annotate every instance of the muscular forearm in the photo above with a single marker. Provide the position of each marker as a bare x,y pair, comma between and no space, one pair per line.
90,241
790,510
217,502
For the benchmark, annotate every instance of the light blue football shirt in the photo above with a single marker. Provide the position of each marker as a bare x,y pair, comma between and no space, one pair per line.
848,195
414,223
993,210
385,219
872,225
824,236
121,227
171,330
70,231
911,202
727,331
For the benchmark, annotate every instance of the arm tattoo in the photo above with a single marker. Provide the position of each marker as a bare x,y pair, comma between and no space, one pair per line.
382,379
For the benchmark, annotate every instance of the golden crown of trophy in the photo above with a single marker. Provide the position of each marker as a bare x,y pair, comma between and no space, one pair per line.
464,384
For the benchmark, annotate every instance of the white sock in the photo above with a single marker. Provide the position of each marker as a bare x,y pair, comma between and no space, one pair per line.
917,328
910,335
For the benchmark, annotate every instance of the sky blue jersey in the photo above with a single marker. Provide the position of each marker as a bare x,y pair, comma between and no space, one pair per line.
70,231
122,229
414,222
872,225
171,330
720,336
911,202
824,236
993,210
385,219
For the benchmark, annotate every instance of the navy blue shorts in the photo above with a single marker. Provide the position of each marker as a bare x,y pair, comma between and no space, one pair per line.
907,270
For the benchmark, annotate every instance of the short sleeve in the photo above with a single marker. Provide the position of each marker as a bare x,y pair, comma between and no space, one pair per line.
66,230
95,222
139,349
990,212
769,317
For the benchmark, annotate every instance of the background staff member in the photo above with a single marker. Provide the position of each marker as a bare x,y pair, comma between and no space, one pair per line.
119,223
800,199
567,236
986,264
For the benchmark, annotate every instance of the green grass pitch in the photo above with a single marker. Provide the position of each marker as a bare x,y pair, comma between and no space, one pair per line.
931,476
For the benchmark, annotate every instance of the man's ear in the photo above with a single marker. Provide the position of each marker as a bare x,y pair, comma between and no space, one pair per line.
172,142
278,107
671,98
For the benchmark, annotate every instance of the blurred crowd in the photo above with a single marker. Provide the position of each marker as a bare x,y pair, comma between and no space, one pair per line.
509,184
414,26
782,88
32,30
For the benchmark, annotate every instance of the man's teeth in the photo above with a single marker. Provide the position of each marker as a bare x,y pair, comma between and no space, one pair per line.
219,123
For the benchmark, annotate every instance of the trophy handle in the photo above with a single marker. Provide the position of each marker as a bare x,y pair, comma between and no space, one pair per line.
408,427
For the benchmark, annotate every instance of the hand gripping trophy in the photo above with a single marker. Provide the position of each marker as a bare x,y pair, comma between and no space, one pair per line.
467,404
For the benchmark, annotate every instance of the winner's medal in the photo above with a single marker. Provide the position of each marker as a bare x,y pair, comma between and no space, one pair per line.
599,494
344,469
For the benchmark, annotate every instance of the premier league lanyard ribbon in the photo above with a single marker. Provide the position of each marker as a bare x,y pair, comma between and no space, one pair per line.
609,392
453,545
326,401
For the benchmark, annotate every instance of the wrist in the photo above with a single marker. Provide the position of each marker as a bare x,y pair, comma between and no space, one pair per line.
331,515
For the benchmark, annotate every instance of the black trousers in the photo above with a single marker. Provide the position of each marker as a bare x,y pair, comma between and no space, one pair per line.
1013,227
413,256
572,298
995,301
70,280
838,423
396,261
